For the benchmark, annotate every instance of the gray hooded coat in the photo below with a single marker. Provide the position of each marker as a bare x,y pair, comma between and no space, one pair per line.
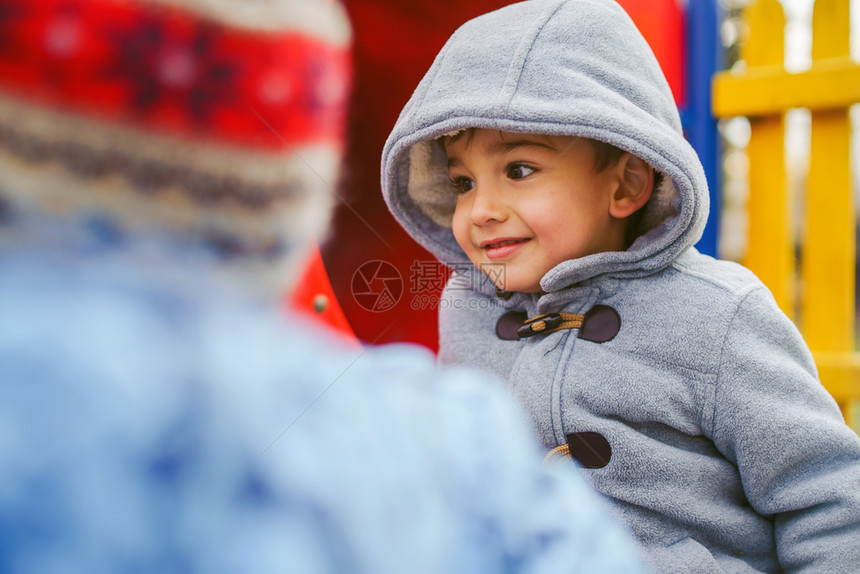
699,413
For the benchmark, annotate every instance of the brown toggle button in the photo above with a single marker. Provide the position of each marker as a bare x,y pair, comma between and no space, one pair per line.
600,324
507,325
590,449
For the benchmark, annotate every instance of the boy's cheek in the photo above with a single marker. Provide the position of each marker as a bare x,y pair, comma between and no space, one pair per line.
471,252
461,233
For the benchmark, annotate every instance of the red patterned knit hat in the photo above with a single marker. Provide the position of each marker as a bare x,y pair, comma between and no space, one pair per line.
210,120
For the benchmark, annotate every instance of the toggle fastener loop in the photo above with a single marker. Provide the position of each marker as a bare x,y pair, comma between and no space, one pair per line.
549,323
599,325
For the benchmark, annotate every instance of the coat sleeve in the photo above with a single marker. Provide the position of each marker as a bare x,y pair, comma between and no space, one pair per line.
799,462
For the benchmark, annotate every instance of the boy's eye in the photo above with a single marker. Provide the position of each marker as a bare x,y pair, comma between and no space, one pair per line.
462,184
519,171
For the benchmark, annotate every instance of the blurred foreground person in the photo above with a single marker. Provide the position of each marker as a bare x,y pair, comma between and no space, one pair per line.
162,168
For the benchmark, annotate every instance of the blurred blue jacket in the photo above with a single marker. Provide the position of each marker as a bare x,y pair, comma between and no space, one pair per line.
152,419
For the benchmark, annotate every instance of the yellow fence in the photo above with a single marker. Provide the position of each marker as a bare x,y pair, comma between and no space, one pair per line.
763,91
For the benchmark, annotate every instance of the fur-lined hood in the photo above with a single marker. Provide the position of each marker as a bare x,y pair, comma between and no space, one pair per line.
559,67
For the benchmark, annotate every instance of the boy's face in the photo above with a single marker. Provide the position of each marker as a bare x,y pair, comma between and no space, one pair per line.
530,202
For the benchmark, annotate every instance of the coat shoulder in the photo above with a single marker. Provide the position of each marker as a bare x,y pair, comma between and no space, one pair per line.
699,286
681,315
715,276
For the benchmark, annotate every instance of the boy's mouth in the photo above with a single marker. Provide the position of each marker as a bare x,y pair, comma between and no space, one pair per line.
496,243
502,246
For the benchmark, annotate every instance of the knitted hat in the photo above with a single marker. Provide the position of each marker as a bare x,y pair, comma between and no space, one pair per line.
211,122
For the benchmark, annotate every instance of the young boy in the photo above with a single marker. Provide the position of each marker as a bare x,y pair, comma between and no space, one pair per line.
544,146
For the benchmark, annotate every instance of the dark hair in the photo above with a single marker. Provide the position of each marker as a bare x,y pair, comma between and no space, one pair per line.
446,140
605,155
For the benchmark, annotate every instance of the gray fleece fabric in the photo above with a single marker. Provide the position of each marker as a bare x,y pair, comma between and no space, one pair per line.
727,455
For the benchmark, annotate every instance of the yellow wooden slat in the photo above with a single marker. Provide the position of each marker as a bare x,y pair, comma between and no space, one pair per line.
842,382
765,21
828,84
770,254
827,308
829,243
830,29
840,375
829,250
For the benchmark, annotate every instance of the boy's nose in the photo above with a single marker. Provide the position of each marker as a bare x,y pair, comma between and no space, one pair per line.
488,206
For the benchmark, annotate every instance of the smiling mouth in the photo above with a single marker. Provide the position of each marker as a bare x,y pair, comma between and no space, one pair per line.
496,243
502,248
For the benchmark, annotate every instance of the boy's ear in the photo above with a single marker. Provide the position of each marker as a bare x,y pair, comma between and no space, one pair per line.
635,185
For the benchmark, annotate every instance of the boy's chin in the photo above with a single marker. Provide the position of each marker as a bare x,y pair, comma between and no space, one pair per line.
496,273
514,287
